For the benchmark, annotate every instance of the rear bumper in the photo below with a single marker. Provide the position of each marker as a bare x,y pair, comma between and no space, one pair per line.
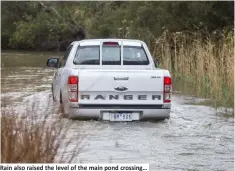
102,112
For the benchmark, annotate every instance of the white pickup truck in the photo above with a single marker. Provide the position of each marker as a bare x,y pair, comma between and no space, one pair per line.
111,79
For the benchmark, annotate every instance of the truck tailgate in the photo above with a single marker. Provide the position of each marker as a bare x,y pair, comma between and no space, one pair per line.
120,87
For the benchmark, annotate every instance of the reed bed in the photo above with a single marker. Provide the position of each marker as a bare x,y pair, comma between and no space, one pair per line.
200,64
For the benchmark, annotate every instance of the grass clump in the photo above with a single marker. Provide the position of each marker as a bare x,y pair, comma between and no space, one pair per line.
200,64
29,138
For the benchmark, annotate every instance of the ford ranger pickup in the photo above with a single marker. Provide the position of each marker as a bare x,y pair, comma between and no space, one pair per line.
111,79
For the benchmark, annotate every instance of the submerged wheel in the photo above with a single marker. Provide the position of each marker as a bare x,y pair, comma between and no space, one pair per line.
60,97
61,104
61,108
53,97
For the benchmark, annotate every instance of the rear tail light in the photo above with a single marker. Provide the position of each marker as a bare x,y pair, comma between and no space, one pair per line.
167,90
73,88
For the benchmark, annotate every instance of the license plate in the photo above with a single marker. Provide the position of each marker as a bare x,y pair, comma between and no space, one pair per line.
120,117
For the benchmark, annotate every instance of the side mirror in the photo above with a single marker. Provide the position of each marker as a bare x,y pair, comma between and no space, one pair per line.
53,62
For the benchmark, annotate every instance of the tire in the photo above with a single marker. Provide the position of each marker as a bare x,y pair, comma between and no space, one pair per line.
53,97
61,107
60,97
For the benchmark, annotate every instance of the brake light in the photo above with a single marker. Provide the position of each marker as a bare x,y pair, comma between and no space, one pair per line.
73,88
110,43
73,80
167,90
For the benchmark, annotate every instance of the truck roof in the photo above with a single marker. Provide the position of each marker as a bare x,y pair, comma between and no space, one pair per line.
127,42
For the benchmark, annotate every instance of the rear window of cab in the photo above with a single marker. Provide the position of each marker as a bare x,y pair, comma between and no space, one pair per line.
111,55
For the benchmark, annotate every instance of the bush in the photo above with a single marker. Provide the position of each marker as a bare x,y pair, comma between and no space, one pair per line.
28,138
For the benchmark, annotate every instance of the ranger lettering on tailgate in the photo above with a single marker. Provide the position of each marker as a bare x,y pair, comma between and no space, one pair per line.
117,97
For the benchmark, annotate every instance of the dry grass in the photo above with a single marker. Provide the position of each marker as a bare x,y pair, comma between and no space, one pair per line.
200,65
28,138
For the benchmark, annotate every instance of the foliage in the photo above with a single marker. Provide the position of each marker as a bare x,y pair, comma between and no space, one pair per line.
199,65
31,138
53,25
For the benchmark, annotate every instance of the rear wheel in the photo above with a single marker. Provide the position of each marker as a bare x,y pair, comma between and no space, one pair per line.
61,107
52,92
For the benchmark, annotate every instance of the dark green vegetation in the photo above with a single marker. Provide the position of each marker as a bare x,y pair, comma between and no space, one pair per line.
53,25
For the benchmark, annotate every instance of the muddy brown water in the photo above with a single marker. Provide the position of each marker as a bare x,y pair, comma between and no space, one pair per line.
196,137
